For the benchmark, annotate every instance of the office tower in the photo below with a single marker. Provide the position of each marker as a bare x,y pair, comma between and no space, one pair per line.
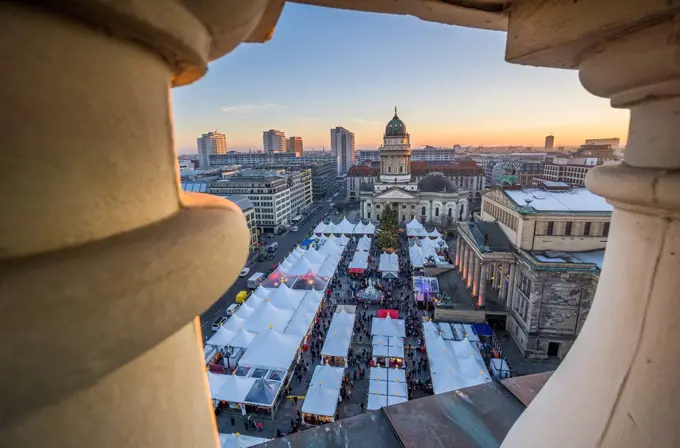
294,144
210,143
273,141
549,142
342,147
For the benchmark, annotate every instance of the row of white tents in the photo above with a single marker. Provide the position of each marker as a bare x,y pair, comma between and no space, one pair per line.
339,336
267,330
344,227
453,364
415,229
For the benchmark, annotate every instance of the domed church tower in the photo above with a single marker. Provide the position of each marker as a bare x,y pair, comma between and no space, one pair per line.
395,154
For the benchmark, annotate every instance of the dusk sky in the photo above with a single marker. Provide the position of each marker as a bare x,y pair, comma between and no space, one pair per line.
325,68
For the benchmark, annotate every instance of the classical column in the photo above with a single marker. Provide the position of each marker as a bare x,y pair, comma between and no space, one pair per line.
482,286
494,283
503,280
511,285
618,386
476,276
471,268
458,245
465,260
99,245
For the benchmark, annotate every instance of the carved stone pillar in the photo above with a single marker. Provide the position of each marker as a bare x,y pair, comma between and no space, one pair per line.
618,386
458,247
503,280
465,261
99,244
511,285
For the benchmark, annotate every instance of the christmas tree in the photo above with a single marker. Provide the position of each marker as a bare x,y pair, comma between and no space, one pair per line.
388,232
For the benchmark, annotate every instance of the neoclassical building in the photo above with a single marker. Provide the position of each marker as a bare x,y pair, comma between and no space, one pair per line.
434,198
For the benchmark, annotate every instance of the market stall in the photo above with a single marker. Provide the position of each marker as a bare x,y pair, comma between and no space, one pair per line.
321,399
338,339
415,229
369,229
345,227
359,262
229,390
387,352
359,229
389,265
364,243
425,290
272,350
388,327
386,387
263,397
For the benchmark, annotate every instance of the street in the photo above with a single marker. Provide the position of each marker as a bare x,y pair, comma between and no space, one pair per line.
287,242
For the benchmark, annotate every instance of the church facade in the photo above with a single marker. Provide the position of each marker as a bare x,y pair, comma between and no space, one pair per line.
432,199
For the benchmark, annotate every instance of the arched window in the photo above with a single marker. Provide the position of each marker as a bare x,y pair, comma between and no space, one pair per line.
436,211
450,213
389,169
423,211
401,169
377,216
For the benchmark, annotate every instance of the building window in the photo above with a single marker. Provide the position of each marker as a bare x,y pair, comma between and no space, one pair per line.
605,229
436,211
401,169
450,213
422,211
368,215
586,229
377,205
567,229
403,217
389,169
550,228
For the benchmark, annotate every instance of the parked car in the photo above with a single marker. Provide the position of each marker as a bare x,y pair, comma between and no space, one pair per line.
294,229
232,309
218,323
244,272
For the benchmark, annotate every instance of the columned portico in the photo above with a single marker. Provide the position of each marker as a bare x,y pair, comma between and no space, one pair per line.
471,267
482,286
476,276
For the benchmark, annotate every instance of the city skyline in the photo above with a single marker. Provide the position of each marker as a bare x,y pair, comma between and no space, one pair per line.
450,83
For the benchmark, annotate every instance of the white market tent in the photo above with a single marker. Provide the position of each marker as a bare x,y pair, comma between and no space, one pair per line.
301,266
314,256
240,440
389,265
330,247
388,327
320,228
271,350
388,374
364,243
383,349
359,229
416,256
301,322
243,339
369,229
380,401
453,364
345,227
440,244
229,387
235,323
434,234
339,335
359,262
268,316
286,298
342,240
222,337
324,389
414,228
328,267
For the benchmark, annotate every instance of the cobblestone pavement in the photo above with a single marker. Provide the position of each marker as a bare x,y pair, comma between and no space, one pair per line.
342,293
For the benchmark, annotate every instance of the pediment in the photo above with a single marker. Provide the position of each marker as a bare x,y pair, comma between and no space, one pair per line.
396,193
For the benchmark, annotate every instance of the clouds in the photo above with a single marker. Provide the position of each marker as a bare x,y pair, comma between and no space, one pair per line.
250,108
364,121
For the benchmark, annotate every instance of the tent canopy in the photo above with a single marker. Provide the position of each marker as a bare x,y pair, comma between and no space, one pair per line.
339,335
385,374
364,243
271,350
222,337
243,339
434,234
345,227
359,229
324,388
268,316
240,441
369,229
388,327
263,392
230,387
414,224
389,263
359,262
320,228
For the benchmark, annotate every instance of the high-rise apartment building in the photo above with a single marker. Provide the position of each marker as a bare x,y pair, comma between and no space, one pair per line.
549,142
273,141
342,147
294,144
210,143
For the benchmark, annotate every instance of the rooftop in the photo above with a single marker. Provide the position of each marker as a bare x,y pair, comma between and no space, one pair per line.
242,201
489,236
595,257
574,200
478,416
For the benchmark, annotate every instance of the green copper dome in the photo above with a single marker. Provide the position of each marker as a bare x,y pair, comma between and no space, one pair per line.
396,127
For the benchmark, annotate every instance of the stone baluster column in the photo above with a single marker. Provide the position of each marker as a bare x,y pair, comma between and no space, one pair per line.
618,386
99,245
